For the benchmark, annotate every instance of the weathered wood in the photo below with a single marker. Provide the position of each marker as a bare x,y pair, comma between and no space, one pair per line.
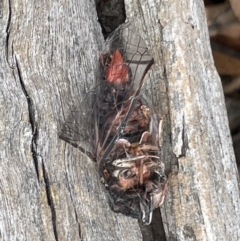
49,190
203,196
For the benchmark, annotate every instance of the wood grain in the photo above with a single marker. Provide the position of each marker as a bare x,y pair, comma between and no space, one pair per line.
49,190
202,202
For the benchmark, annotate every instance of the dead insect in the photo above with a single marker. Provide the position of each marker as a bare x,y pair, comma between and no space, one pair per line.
126,131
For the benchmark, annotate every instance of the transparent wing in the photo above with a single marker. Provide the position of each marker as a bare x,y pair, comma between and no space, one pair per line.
137,60
78,128
107,103
134,50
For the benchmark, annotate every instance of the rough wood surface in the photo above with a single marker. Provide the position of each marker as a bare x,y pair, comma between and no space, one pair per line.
49,190
203,196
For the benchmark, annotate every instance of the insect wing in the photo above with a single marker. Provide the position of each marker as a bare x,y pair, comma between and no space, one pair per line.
134,52
136,58
78,128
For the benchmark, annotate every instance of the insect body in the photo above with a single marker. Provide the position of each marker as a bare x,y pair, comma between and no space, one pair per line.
126,129
117,70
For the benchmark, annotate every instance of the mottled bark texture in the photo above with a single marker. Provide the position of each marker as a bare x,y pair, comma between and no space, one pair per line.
203,195
51,191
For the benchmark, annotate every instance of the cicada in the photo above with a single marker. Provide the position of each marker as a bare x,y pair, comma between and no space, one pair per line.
126,129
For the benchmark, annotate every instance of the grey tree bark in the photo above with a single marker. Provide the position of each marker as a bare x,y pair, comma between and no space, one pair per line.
50,190
203,196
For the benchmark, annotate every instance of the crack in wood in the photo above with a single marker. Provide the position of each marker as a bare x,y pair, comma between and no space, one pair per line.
34,149
31,112
79,226
9,16
8,28
75,211
50,200
180,140
184,140
31,119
